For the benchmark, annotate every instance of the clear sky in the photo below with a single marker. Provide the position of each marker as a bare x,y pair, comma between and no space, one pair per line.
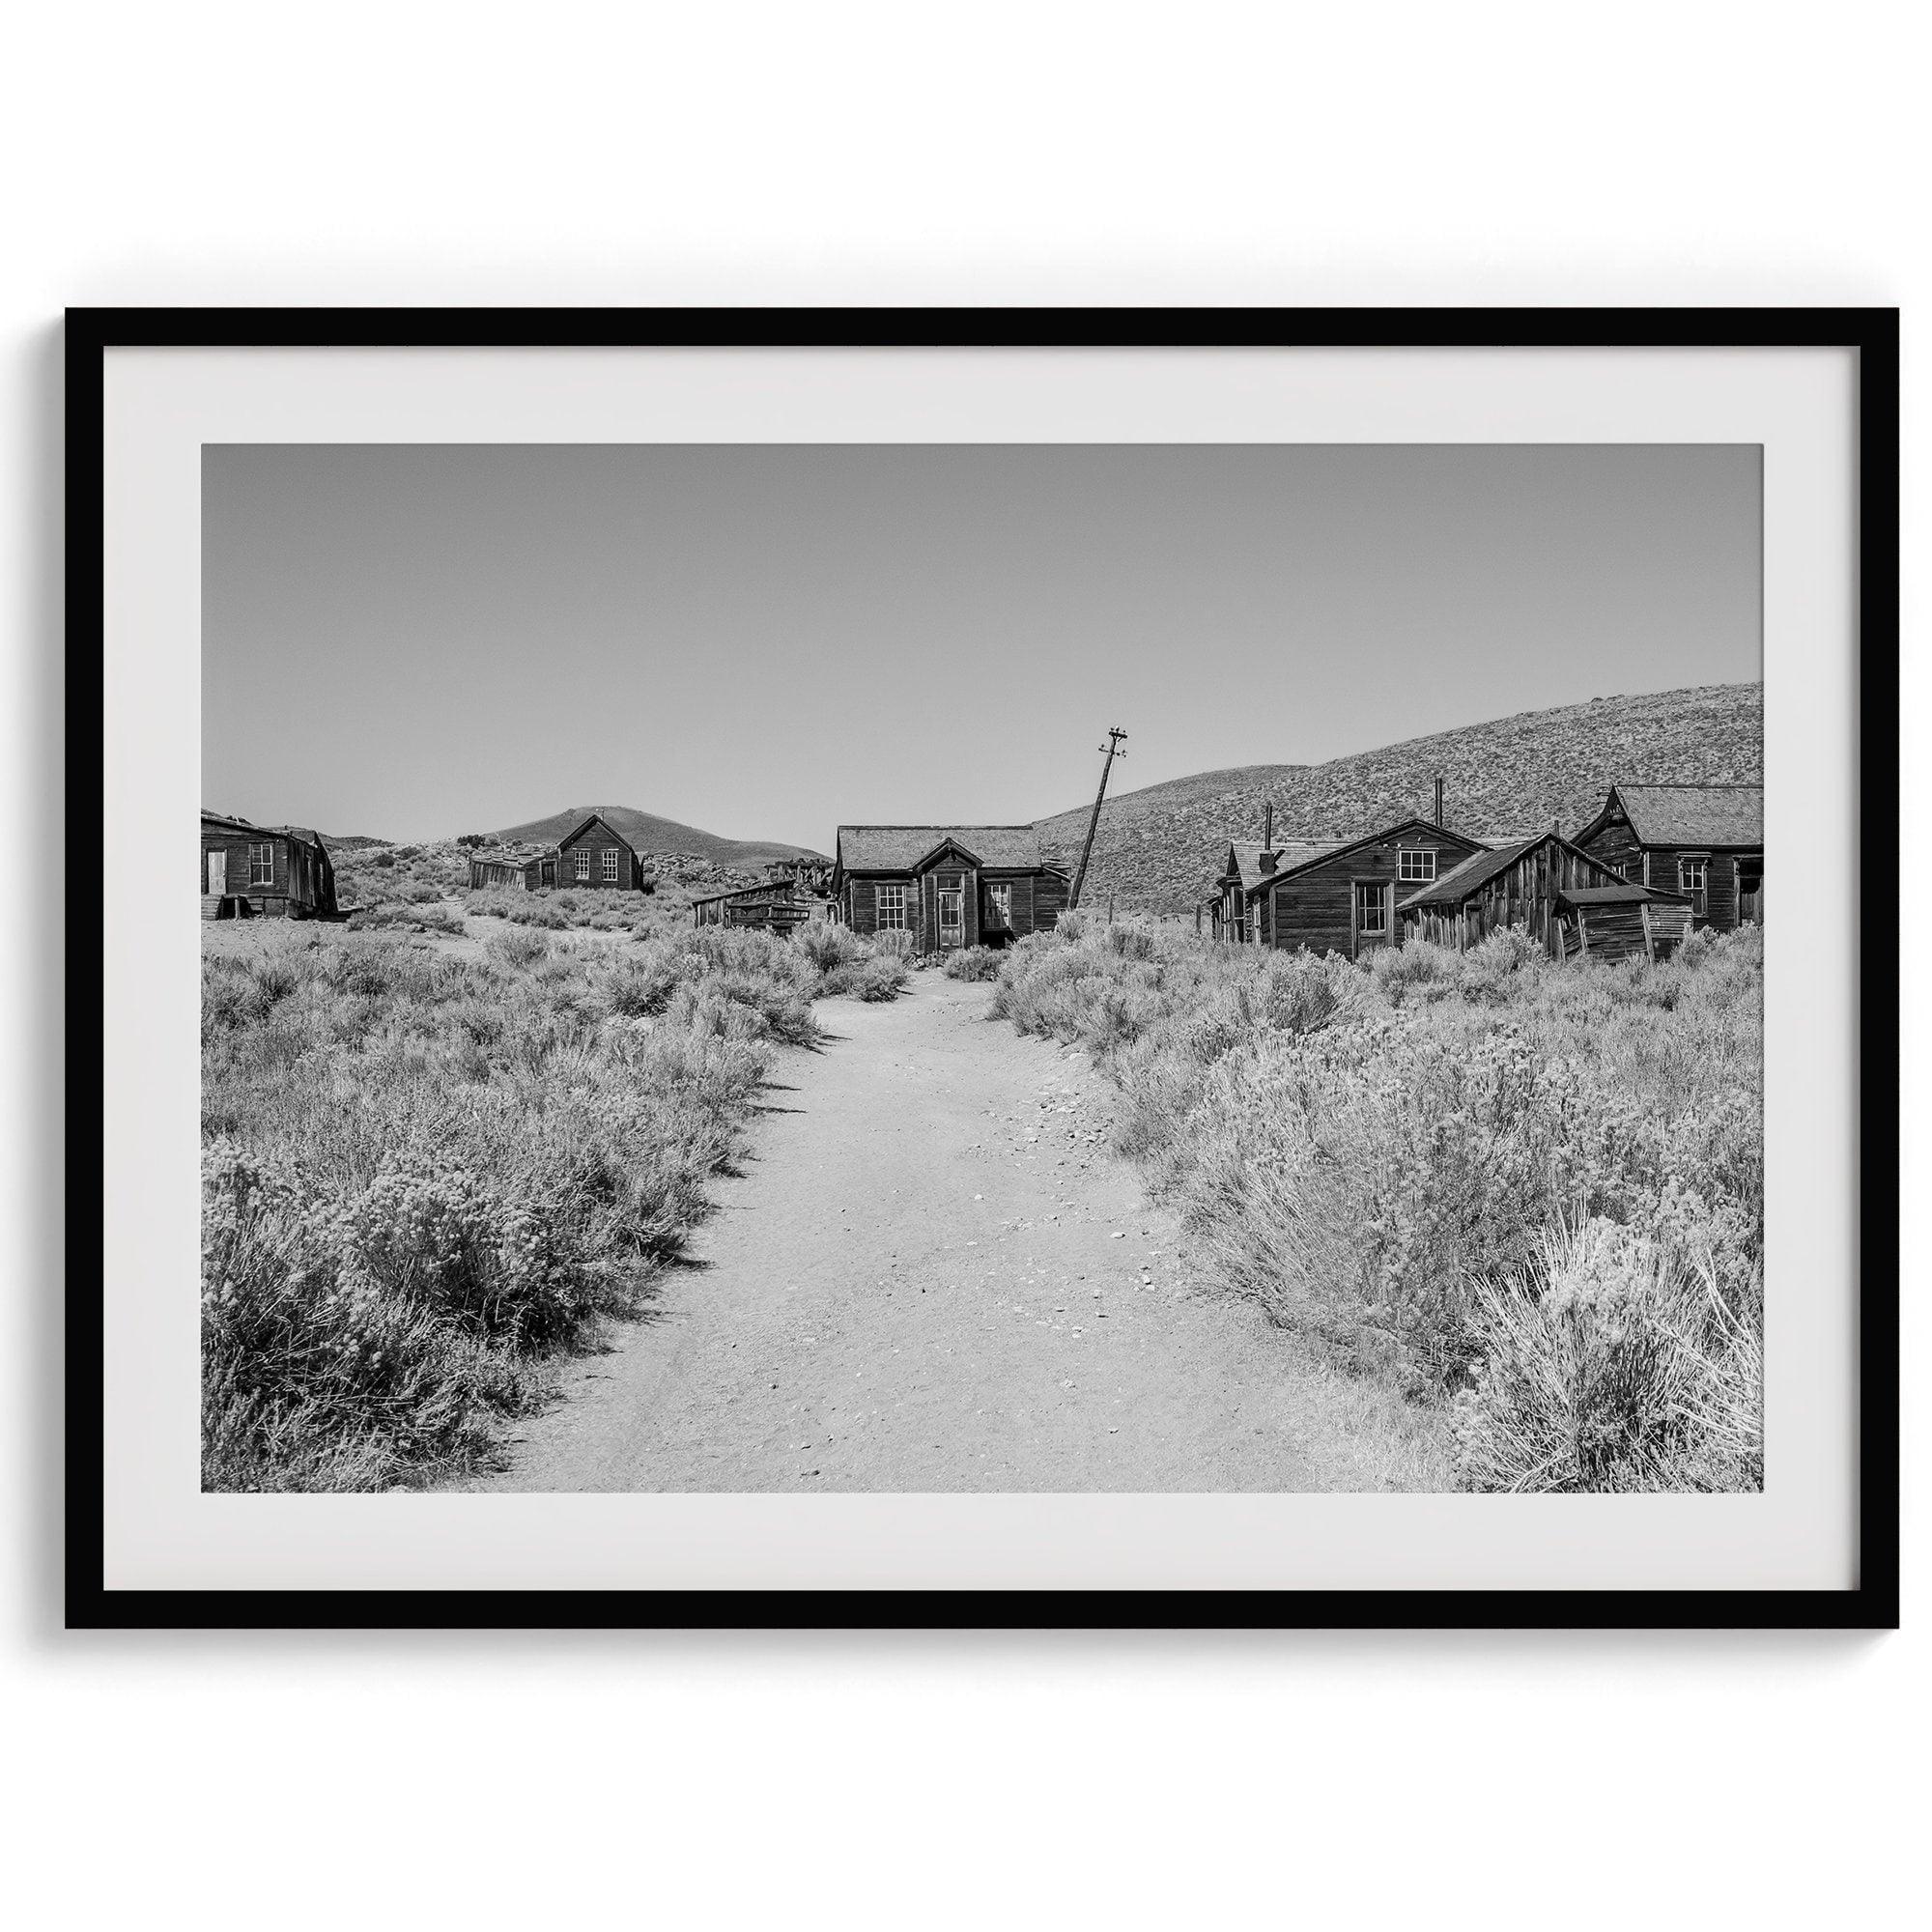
415,641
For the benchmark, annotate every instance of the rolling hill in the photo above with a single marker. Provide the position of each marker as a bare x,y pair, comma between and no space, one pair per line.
649,834
1156,848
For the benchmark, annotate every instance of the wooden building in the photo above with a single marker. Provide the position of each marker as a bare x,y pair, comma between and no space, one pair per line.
1703,840
1333,896
506,872
280,871
948,886
1569,901
594,854
778,905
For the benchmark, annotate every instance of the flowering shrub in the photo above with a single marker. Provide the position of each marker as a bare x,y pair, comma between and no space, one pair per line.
1381,1155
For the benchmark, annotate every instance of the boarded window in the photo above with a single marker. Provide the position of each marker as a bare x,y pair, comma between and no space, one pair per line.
610,864
261,865
1417,866
891,908
582,857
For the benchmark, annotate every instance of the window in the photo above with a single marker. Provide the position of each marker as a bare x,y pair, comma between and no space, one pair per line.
261,865
999,905
1693,877
1417,866
1371,907
610,864
891,908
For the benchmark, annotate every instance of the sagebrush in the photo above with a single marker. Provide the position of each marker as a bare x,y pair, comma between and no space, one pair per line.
1407,1160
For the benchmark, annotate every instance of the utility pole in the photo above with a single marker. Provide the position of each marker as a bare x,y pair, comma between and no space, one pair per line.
1112,749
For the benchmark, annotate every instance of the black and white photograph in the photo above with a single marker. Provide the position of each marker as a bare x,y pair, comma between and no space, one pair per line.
998,968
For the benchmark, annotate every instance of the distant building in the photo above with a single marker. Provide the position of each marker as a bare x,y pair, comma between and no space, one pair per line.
507,871
278,870
1559,893
948,886
1704,840
594,854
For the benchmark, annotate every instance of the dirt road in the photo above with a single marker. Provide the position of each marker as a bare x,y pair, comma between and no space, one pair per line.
932,1275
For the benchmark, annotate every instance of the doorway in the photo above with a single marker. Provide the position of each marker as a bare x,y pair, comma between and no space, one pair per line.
217,874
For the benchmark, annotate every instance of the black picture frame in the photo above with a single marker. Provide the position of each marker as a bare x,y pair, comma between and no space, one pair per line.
1873,333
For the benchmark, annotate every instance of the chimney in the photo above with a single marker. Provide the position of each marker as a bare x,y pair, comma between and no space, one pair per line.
1266,863
1439,801
1267,828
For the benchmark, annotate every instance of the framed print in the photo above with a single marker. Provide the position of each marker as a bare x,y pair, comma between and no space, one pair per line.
1008,967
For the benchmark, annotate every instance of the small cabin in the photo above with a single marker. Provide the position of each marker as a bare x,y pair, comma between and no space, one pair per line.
1338,895
281,872
504,871
778,905
948,886
1703,840
594,854
1570,902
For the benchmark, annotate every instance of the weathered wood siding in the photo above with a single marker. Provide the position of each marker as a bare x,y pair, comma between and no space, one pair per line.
595,841
1039,901
301,879
1315,908
1523,894
1616,844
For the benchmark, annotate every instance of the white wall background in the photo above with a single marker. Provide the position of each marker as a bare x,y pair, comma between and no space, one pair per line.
1040,152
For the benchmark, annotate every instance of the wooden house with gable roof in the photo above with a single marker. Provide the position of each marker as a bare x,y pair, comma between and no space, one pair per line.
280,871
594,854
1704,840
948,886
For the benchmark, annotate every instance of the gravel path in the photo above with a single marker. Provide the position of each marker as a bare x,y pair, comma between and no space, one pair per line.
932,1275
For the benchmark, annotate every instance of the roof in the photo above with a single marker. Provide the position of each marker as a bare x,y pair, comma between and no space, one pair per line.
589,820
1314,851
1693,815
1589,895
228,822
1473,873
902,848
1288,853
521,861
769,889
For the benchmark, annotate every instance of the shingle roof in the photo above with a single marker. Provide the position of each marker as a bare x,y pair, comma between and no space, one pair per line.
1288,853
899,848
230,822
1696,815
596,818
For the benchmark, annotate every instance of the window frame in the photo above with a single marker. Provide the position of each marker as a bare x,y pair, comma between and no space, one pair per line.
1383,903
262,862
897,907
1000,902
608,865
582,855
1405,877
1700,892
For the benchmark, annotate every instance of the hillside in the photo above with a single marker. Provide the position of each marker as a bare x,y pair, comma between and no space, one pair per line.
652,835
1158,848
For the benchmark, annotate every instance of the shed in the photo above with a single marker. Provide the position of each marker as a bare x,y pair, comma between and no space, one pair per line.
1550,887
775,905
947,886
279,870
509,871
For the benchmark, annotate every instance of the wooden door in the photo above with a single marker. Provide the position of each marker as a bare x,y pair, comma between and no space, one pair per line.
217,874
1374,913
952,913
